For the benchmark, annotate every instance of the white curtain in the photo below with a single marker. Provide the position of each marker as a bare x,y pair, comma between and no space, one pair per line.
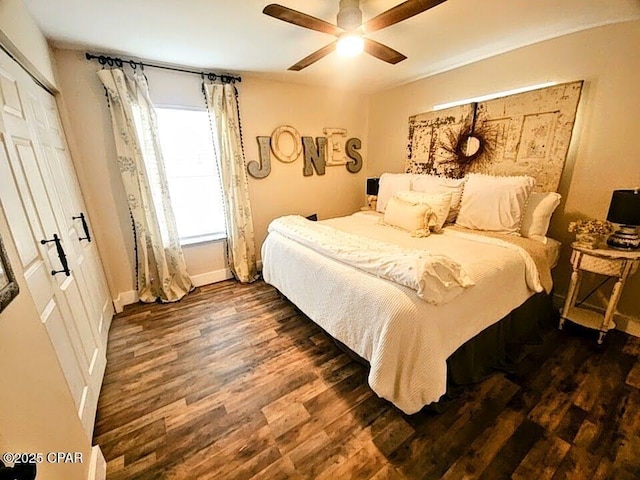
161,271
222,104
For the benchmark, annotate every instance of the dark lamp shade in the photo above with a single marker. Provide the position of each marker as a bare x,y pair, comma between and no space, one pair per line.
625,207
373,184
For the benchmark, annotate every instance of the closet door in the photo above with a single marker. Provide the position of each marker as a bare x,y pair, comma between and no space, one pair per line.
73,212
55,268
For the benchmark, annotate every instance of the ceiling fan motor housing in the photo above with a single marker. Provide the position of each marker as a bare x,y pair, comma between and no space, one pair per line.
350,15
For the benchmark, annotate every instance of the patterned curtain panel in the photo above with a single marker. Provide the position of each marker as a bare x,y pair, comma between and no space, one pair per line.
161,271
222,104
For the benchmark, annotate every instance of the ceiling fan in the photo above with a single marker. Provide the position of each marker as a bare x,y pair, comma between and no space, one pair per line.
350,29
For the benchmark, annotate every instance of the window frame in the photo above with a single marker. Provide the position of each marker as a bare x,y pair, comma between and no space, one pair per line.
212,237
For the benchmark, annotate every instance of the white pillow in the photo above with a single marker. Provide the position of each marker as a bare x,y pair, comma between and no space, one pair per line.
412,217
391,183
439,204
495,204
434,184
537,216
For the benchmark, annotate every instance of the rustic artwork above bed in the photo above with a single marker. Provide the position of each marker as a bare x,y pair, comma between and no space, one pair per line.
523,134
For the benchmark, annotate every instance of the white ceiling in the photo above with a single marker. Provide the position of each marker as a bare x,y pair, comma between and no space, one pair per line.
234,35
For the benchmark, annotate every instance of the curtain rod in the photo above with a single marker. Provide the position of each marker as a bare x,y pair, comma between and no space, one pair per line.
119,62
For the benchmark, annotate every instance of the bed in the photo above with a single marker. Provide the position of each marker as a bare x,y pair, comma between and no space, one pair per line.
405,337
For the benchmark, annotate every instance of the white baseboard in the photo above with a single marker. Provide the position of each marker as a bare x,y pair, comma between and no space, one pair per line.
97,465
211,277
216,276
127,298
117,305
123,299
628,324
625,323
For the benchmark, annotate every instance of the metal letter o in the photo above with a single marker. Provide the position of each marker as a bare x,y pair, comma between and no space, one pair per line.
275,145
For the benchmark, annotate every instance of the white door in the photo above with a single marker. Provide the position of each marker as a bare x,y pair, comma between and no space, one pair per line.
36,203
95,293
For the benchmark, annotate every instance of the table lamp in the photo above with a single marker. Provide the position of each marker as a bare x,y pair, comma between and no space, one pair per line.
625,211
373,185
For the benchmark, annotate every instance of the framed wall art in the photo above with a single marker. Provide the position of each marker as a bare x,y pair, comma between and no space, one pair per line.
8,284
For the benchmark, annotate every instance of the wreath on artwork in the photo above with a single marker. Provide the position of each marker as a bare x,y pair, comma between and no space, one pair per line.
482,137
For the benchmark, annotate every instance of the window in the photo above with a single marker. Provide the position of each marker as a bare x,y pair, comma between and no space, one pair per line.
192,174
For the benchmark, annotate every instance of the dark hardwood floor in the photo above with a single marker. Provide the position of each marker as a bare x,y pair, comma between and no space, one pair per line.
233,382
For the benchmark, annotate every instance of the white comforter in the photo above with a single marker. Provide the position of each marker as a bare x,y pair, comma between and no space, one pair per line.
405,339
436,278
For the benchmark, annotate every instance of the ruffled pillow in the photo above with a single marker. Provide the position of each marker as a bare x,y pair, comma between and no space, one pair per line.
411,217
439,203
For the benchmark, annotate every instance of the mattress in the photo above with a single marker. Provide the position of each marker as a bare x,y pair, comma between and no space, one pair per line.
406,339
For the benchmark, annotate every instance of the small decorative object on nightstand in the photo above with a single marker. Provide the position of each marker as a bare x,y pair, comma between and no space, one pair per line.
591,233
625,211
608,262
373,185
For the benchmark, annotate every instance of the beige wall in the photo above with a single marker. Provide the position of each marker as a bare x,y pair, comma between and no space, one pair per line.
37,412
21,36
267,105
603,156
264,105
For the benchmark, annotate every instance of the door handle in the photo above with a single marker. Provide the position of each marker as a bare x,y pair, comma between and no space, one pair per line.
61,255
87,235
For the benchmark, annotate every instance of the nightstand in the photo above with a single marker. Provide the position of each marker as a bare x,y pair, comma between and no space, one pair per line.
611,263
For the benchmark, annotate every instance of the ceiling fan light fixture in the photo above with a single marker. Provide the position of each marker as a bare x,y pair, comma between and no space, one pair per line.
349,29
350,45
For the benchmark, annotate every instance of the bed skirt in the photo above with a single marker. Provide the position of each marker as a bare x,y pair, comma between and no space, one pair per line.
503,344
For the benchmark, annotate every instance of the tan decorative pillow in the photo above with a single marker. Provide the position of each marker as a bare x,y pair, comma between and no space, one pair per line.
411,217
439,203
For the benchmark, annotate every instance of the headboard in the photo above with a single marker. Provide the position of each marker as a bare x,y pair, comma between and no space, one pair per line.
524,134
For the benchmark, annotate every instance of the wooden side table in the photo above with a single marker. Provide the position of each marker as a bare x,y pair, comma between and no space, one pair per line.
604,261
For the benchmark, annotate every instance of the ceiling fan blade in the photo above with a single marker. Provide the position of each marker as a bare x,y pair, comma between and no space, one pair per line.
313,58
382,52
300,19
399,13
